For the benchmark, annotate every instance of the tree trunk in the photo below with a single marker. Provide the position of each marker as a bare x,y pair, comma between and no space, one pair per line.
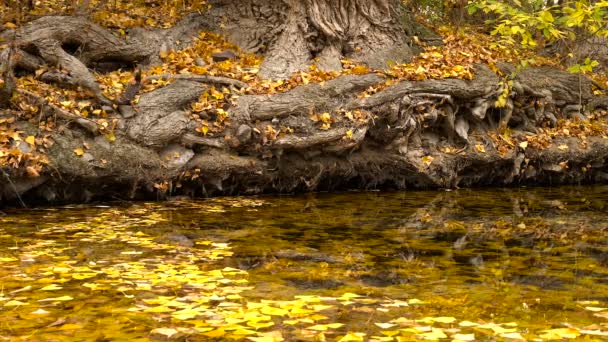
296,33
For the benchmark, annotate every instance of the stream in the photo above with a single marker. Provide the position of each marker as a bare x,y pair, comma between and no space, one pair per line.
464,265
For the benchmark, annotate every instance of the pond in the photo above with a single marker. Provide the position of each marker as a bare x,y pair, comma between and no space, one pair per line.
482,265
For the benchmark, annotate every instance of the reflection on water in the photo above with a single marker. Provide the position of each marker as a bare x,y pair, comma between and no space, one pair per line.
422,263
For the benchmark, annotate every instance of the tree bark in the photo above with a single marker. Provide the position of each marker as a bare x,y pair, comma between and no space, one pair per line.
296,33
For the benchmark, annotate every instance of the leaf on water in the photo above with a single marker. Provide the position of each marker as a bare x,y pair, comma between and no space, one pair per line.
321,307
513,335
556,334
382,338
435,334
594,332
414,301
260,325
52,287
264,339
352,337
595,309
324,327
244,332
385,325
80,276
15,303
40,312
349,296
9,259
57,299
272,311
215,333
164,331
185,314
464,337
443,319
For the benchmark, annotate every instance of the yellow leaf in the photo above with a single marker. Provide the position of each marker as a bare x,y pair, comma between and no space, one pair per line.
52,287
31,140
480,148
215,333
523,145
560,333
326,117
15,303
563,147
272,311
57,299
244,332
352,337
427,160
10,26
435,334
260,325
464,337
67,104
79,152
164,331
321,307
595,309
87,275
443,319
385,325
110,137
513,335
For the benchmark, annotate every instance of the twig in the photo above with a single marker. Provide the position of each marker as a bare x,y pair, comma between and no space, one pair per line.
8,178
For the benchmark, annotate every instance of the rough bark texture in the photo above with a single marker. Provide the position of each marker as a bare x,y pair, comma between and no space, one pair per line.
394,138
295,33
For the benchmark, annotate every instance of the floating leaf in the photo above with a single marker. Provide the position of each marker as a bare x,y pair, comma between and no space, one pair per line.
164,331
513,335
464,337
79,152
52,287
272,311
435,334
352,337
15,303
57,299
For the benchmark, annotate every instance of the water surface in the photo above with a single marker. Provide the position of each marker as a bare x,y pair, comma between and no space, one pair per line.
463,265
